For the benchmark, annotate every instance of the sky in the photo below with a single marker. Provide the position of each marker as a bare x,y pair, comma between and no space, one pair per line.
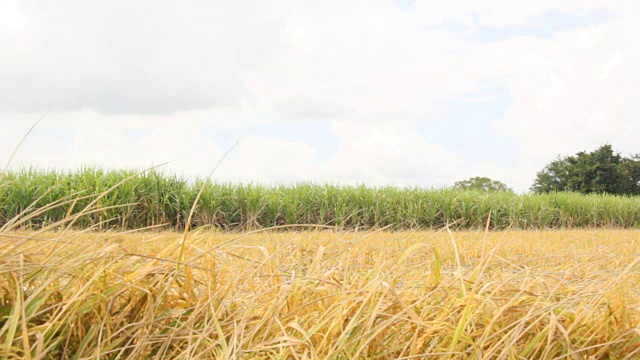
381,92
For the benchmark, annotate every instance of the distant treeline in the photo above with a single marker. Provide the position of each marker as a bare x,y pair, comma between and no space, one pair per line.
89,198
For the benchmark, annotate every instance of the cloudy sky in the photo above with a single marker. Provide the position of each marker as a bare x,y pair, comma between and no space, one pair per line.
422,92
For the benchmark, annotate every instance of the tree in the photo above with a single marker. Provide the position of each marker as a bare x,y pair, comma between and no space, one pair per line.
600,171
481,183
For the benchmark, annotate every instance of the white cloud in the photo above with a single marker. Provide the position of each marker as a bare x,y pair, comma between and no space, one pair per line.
72,140
380,153
390,153
575,92
11,18
133,57
501,13
370,67
90,138
268,160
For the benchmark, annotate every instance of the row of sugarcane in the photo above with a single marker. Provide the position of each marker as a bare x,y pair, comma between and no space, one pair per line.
123,199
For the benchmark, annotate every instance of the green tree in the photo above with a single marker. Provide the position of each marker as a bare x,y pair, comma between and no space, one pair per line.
481,183
600,171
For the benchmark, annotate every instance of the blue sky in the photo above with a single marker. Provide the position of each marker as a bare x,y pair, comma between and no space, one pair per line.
546,25
383,92
467,127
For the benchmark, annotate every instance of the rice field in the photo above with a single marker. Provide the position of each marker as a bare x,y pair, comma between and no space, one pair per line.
108,200
552,294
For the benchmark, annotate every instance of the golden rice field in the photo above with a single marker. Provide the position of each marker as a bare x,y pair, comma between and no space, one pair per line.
321,295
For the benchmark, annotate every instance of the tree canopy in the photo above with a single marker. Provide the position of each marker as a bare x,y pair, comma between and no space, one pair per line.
600,171
482,184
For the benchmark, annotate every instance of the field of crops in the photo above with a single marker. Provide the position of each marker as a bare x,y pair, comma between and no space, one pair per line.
570,294
341,287
124,200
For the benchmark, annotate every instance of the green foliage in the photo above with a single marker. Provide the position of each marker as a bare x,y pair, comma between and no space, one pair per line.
157,199
482,184
600,171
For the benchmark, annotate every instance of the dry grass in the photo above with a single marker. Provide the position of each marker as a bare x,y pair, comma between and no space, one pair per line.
321,295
